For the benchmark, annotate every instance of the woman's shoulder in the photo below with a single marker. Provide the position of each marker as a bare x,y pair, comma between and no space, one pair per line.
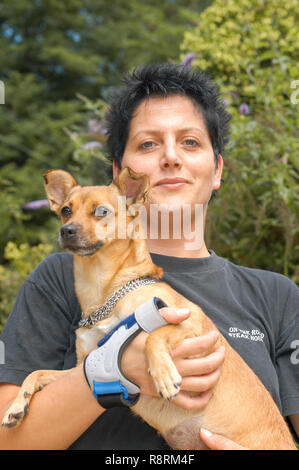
57,264
55,274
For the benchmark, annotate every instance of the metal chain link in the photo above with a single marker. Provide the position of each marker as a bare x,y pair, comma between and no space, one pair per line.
104,311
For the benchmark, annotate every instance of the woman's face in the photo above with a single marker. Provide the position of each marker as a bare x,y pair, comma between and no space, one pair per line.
168,140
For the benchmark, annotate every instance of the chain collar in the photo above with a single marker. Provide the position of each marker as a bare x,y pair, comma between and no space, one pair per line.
104,311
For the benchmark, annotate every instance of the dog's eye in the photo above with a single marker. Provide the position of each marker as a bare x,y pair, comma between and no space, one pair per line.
101,211
66,211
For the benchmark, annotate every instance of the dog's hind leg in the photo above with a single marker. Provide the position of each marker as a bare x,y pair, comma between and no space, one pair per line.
33,383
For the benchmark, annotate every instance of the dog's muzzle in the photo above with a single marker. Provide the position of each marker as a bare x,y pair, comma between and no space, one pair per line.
68,232
70,240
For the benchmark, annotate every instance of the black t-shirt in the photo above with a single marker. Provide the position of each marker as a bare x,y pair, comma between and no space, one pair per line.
257,312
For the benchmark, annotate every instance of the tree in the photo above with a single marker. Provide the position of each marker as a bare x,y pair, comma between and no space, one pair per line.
51,51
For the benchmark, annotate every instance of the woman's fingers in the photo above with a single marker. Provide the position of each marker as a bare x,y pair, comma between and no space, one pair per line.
202,365
188,402
198,345
201,383
174,315
217,442
199,375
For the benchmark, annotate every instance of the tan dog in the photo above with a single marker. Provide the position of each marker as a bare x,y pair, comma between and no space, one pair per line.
240,409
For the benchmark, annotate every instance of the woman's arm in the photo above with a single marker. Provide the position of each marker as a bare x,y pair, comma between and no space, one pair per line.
57,415
64,409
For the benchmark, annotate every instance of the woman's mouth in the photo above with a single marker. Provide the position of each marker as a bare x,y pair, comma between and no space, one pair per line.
172,183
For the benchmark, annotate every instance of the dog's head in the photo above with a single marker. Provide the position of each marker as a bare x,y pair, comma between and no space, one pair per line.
89,214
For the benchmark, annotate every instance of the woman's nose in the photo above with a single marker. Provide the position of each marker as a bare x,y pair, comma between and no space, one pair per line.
170,157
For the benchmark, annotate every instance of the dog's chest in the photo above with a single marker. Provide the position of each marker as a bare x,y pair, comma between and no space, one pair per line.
87,338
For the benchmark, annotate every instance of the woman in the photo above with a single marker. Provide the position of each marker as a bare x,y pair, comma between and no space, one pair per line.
169,123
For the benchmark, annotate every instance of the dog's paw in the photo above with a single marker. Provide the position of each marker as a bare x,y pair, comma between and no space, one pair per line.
167,380
14,415
16,412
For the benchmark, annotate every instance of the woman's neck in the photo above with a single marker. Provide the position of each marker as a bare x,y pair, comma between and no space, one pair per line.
177,248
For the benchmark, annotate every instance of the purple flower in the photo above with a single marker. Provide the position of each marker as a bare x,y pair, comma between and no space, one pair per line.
96,127
188,59
35,205
91,145
244,109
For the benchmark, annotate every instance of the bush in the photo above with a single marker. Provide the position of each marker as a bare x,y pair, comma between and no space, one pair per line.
23,259
253,53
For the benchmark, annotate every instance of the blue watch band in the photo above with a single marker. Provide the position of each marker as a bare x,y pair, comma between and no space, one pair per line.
111,394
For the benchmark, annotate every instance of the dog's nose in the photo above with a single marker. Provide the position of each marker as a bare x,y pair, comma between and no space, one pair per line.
68,231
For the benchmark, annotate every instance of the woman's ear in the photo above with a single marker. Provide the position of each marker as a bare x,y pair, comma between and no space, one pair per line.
218,173
115,169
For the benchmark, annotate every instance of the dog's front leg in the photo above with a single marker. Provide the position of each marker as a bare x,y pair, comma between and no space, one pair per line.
161,366
33,383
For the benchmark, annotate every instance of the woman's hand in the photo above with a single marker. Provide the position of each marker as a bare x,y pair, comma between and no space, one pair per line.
198,375
217,442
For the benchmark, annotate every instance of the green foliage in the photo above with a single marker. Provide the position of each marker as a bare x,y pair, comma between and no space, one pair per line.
23,259
88,142
252,51
59,60
50,52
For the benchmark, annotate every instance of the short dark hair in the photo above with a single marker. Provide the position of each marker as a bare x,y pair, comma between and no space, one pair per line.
165,80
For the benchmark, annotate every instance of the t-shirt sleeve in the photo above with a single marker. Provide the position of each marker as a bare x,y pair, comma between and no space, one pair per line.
287,346
38,333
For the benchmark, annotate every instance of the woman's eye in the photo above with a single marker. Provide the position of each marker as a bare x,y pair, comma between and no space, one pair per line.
191,142
101,211
147,145
66,212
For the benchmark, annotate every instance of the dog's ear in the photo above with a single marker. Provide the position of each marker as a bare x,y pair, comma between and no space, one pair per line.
135,186
58,184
